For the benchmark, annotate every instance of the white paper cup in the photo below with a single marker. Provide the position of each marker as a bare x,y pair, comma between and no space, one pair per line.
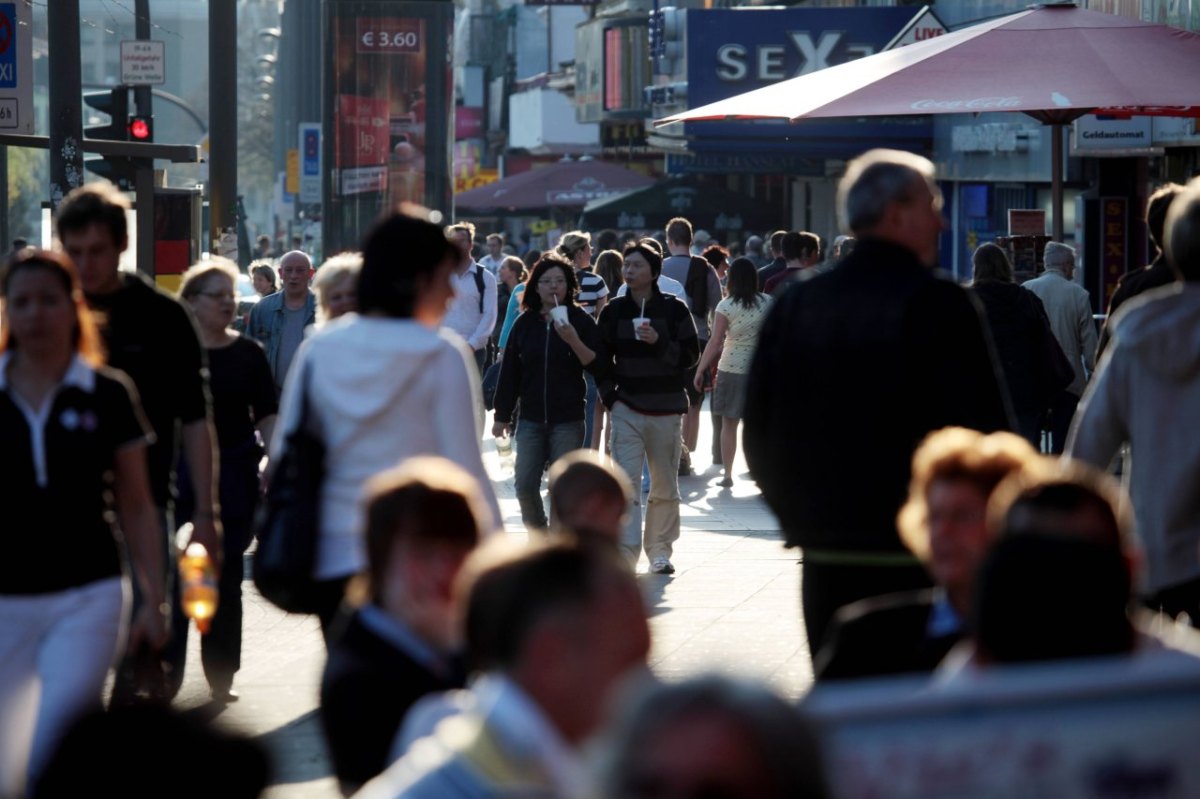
638,323
558,314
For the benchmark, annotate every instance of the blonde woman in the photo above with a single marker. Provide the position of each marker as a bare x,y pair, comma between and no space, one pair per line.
336,285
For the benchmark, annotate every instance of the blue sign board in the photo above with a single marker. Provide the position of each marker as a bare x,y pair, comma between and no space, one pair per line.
8,45
731,51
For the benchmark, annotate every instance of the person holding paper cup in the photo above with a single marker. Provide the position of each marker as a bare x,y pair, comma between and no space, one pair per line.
549,347
649,339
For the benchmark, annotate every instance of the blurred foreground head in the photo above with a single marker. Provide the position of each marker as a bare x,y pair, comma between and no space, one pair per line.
1057,583
565,622
146,752
713,738
1182,232
589,496
890,195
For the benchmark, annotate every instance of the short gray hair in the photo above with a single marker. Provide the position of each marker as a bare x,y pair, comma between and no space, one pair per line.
778,731
875,180
1058,255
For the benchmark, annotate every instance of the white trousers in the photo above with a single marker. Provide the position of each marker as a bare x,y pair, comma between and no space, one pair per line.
639,437
55,652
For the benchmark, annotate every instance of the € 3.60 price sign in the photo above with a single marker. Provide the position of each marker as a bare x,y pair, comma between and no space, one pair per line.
389,35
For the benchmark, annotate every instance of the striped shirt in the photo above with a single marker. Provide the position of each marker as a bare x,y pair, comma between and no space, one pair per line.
647,377
591,288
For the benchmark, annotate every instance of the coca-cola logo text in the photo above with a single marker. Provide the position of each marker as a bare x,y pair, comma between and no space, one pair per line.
978,103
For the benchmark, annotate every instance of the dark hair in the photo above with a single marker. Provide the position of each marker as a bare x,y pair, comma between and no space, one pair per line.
743,283
580,475
429,501
507,598
400,254
652,256
264,269
85,338
606,240
716,255
991,263
679,231
1157,205
608,266
94,203
797,244
1048,597
530,299
531,257
172,744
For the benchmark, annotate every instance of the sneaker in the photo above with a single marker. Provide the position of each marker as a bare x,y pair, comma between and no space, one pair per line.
661,565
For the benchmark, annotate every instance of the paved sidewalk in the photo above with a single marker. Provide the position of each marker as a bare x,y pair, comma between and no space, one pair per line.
732,607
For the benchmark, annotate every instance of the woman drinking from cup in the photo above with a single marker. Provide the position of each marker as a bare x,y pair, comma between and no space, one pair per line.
550,345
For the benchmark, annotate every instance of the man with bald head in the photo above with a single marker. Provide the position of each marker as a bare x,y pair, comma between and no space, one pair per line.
278,320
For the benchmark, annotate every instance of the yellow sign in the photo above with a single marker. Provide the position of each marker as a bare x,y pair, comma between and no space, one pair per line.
480,178
541,226
292,186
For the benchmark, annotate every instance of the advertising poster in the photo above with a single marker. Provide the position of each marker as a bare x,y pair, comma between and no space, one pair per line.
389,117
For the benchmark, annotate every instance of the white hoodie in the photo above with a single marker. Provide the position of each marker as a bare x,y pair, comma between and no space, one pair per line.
381,390
1146,392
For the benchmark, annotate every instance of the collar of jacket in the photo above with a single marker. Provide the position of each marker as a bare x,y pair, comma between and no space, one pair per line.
882,254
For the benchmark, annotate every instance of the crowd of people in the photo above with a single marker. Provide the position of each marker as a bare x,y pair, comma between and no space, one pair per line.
938,452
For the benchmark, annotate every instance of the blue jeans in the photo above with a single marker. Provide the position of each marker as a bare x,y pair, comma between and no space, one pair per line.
589,412
538,444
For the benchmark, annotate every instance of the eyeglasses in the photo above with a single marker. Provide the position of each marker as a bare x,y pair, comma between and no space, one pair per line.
547,283
219,295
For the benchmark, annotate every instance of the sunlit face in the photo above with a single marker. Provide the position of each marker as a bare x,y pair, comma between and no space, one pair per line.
341,297
552,288
958,535
505,274
39,312
262,285
583,258
295,273
97,257
637,272
215,304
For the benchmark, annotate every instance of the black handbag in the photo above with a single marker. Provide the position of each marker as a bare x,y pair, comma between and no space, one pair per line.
491,381
288,522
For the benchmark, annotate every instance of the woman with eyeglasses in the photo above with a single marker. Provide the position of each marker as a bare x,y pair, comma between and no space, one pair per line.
549,347
243,399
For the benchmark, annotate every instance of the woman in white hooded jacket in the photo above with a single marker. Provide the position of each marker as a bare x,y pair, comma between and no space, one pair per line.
383,385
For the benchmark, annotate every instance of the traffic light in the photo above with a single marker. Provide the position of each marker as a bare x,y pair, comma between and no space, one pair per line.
114,103
141,128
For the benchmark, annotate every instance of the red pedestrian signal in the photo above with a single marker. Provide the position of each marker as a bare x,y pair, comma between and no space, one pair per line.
141,128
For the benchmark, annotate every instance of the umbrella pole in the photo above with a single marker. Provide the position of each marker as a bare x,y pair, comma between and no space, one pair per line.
1056,185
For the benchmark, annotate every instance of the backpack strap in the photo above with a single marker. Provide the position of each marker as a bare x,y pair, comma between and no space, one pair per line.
478,272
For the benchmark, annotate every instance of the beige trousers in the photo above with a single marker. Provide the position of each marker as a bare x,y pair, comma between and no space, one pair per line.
637,437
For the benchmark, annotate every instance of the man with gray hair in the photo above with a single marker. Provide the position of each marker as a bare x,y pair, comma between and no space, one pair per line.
1146,387
854,367
1070,310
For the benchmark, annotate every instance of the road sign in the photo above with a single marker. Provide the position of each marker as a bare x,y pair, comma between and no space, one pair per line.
16,68
143,62
310,162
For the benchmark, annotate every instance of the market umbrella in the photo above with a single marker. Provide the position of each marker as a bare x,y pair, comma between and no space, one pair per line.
1052,62
706,205
565,184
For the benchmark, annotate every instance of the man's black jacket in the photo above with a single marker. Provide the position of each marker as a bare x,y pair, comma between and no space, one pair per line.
853,369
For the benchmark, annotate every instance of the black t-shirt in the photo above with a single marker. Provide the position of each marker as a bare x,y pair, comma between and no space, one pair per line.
243,391
150,336
59,527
